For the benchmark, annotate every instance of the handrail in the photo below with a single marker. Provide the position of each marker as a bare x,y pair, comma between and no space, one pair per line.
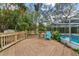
8,39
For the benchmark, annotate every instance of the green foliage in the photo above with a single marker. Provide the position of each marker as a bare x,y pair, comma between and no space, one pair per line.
9,19
41,27
56,35
77,50
25,22
65,44
16,19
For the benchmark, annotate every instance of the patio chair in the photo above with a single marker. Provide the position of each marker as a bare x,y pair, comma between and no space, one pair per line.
48,35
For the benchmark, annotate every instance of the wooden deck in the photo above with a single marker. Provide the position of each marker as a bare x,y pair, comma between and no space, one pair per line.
38,47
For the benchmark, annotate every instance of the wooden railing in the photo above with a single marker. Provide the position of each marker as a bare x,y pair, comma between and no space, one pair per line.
8,39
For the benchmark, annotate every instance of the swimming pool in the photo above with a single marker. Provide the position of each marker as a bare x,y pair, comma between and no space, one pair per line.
73,38
72,41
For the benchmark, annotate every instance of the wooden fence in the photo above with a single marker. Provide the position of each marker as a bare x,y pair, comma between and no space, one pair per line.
8,39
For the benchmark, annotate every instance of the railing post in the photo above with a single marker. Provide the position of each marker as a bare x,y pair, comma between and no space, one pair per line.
25,35
4,41
1,42
15,37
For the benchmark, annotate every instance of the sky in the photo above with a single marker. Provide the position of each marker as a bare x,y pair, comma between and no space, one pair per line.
78,7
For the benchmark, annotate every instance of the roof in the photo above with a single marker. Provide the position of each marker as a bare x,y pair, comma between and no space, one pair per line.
65,24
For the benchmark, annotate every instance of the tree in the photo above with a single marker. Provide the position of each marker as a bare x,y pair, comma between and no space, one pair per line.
10,16
64,11
46,13
37,8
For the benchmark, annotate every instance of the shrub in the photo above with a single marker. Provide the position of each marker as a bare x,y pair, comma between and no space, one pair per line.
65,44
56,35
77,50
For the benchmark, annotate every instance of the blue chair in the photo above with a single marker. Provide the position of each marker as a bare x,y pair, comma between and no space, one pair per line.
48,35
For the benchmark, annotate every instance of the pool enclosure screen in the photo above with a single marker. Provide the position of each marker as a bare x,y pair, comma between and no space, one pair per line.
72,27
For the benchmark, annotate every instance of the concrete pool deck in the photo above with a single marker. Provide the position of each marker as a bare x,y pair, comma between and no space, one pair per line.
38,47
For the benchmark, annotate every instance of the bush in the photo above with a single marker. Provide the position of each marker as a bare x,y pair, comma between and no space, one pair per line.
56,35
77,50
41,27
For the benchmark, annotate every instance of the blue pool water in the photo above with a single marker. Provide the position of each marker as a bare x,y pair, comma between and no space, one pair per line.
73,38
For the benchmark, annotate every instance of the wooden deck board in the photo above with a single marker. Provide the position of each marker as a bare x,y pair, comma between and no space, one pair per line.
38,47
